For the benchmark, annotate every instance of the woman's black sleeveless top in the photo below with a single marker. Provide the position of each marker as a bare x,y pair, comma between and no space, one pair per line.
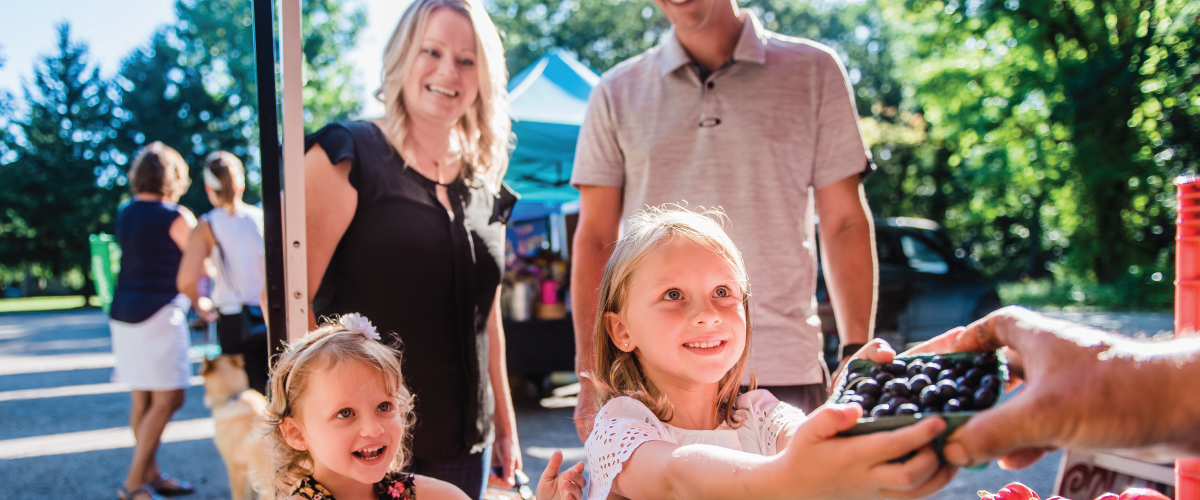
423,276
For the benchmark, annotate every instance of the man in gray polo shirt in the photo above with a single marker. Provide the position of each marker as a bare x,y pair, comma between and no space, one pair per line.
723,113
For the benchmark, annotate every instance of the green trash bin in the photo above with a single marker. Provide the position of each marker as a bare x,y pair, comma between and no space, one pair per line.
106,263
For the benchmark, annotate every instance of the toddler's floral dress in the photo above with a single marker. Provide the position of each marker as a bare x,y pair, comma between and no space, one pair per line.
394,486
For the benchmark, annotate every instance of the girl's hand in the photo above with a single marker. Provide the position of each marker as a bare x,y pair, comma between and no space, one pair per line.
565,486
822,465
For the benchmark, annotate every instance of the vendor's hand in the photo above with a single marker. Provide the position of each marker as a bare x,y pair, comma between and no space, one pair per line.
585,410
877,351
506,454
565,486
204,307
1079,391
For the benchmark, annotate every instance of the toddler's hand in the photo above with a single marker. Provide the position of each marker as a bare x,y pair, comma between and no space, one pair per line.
565,486
858,467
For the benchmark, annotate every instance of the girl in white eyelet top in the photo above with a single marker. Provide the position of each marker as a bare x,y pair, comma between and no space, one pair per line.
672,336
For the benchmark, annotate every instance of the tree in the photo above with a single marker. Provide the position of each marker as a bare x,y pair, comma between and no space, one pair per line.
1069,118
60,170
194,86
600,33
219,41
1042,134
163,98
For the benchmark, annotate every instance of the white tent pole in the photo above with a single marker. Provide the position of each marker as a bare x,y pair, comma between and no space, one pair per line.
295,244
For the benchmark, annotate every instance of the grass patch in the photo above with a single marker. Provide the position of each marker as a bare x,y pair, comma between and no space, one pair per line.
26,304
1130,294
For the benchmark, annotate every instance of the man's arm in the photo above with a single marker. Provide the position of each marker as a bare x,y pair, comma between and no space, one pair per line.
599,226
848,255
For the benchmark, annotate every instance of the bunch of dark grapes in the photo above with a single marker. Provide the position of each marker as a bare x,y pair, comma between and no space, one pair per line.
937,385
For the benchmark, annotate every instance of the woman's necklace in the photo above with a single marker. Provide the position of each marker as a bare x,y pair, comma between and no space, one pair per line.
437,165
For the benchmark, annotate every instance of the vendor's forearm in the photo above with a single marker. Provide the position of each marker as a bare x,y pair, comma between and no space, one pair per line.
1164,373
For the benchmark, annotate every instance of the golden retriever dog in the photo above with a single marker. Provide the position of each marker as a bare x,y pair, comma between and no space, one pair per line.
239,438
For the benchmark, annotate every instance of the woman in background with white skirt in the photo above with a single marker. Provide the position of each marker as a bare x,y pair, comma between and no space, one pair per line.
149,324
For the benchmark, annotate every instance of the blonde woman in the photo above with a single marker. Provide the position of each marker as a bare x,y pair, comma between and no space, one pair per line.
230,236
405,225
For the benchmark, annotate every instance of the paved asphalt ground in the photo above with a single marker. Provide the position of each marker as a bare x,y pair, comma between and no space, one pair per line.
64,434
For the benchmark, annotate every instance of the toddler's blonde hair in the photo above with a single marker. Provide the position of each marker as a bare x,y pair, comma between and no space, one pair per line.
619,373
328,346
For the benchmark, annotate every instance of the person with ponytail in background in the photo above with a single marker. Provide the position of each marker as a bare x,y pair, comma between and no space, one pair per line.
230,237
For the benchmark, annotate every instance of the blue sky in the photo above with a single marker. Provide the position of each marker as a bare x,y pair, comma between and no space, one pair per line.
112,28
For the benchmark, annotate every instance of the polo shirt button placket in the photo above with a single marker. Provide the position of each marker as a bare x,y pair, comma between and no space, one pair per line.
708,121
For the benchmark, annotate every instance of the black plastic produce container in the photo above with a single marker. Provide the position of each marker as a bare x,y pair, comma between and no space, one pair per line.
954,420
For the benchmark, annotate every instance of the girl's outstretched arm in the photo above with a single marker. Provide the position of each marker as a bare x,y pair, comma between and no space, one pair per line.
816,465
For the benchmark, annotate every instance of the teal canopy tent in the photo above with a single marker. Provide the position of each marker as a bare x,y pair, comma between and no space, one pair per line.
548,101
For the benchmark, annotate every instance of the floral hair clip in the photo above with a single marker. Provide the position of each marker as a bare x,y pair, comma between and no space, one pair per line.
359,324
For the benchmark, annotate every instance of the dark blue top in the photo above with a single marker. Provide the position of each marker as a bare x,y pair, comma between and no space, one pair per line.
149,260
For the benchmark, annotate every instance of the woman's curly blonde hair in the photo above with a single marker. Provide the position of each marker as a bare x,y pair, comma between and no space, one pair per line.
619,373
328,346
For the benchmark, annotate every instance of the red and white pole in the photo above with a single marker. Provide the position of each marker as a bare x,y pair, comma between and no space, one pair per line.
1187,302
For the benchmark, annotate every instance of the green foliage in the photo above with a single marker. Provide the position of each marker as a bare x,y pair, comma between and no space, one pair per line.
164,99
600,33
192,86
1044,135
219,40
330,92
59,167
1051,112
1128,293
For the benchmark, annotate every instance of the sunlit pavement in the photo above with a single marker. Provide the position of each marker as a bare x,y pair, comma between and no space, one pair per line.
64,434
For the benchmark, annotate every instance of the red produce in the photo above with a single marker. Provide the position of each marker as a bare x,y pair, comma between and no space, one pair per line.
1017,491
1143,494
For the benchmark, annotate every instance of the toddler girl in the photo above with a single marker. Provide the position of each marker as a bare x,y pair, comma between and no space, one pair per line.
672,339
339,416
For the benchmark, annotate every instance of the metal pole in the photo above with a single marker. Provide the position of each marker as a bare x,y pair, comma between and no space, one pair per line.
268,140
295,247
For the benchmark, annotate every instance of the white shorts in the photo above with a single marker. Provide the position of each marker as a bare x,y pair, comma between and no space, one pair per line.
153,355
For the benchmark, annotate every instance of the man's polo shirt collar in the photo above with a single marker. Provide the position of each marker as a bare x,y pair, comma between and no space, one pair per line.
751,46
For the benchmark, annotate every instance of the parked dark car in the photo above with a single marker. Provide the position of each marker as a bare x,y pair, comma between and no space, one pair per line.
926,286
